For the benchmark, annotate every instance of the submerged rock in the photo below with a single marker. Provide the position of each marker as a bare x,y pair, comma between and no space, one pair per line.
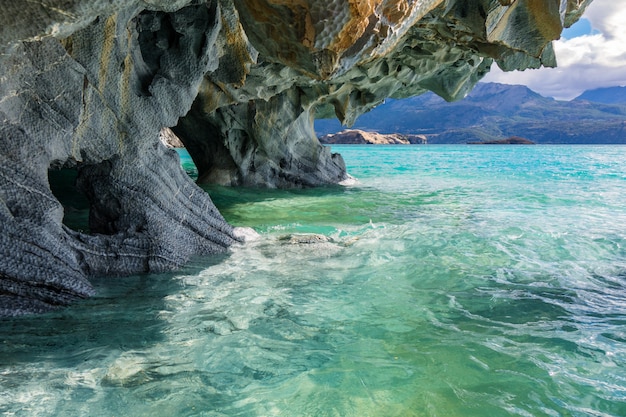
88,85
304,238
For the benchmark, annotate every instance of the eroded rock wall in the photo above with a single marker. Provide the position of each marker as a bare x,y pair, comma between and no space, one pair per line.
268,143
95,102
299,60
87,86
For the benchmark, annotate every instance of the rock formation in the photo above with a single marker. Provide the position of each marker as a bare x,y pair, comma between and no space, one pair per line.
169,138
361,137
94,102
88,85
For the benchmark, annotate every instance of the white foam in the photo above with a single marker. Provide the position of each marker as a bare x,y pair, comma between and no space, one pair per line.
246,234
350,180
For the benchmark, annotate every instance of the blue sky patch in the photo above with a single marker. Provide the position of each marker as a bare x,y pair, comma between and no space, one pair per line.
580,28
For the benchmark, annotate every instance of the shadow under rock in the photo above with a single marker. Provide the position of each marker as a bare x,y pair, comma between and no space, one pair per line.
125,314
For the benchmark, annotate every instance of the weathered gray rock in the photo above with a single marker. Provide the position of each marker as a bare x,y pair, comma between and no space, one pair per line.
295,61
260,143
95,103
87,85
304,238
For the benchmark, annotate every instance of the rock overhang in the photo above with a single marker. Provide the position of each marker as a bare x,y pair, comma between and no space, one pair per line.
89,84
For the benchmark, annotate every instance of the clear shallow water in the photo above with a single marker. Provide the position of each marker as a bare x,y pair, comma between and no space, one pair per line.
457,281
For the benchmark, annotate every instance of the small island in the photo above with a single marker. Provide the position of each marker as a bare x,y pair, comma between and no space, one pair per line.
513,140
361,137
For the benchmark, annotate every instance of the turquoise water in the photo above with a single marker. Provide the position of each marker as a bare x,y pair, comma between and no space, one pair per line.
455,281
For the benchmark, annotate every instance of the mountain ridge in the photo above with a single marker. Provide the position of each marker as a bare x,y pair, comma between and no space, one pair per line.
606,95
497,111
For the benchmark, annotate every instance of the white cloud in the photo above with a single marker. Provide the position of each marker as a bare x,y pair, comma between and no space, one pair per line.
608,17
585,62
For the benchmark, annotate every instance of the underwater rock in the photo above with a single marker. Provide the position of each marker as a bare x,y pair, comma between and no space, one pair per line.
88,85
304,238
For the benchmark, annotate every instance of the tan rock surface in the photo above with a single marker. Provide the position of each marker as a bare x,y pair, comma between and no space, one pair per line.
361,137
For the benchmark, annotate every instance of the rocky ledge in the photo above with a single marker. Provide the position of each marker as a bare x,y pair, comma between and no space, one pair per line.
87,85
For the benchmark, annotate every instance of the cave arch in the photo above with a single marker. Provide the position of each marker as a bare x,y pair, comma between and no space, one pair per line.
62,182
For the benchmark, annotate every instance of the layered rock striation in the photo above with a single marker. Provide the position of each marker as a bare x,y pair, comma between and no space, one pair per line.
94,102
86,86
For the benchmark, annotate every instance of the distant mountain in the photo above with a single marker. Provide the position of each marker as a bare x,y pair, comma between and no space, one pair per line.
609,95
494,112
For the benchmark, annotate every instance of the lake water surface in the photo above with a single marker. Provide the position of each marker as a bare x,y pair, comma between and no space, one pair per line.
454,281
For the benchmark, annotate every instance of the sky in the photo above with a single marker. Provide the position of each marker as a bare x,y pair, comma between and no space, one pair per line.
591,54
